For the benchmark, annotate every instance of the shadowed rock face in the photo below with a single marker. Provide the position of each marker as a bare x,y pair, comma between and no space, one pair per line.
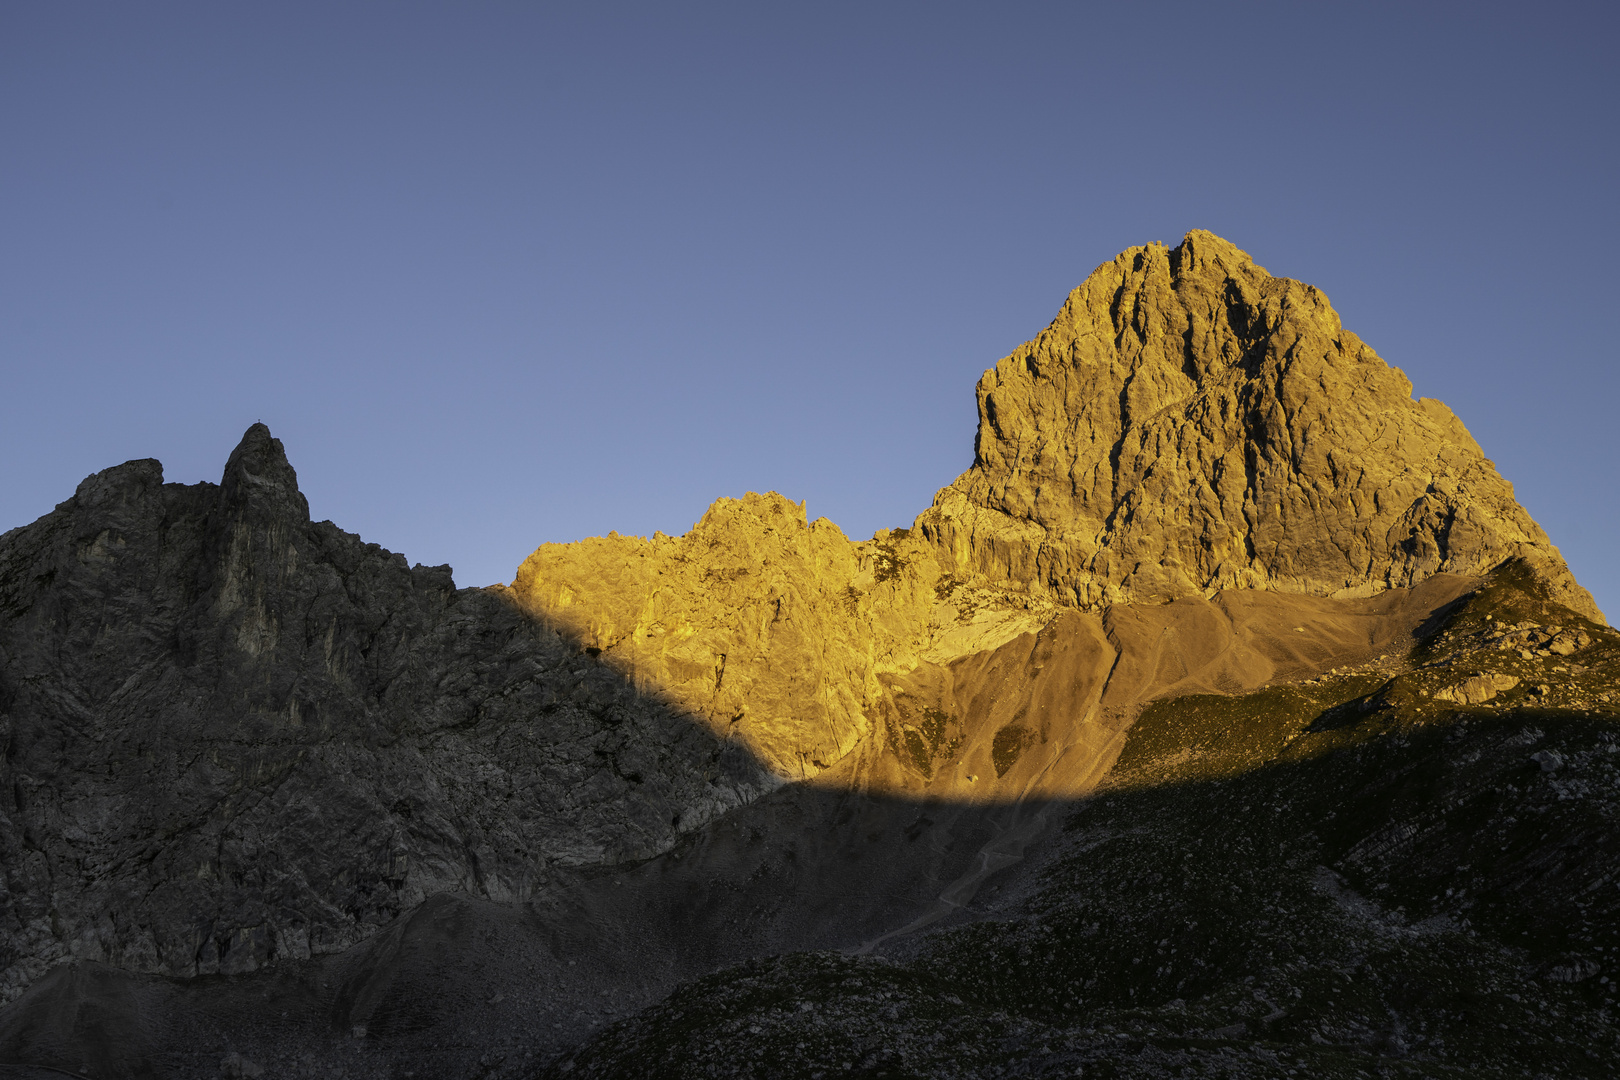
234,735
1189,422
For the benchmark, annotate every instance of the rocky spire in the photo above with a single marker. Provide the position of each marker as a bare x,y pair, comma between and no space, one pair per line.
1189,423
260,480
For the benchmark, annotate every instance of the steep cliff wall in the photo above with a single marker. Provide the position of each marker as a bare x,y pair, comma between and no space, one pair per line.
1190,423
232,734
772,630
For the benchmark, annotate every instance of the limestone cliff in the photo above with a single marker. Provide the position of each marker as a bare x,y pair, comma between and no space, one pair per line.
1190,423
1189,428
872,665
775,631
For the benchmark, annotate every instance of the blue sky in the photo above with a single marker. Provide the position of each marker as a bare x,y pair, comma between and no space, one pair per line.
499,274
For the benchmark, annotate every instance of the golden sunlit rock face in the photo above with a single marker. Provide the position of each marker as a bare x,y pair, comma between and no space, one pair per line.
1189,422
1188,429
754,620
779,632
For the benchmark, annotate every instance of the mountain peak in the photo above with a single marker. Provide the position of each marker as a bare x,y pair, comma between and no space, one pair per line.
1191,423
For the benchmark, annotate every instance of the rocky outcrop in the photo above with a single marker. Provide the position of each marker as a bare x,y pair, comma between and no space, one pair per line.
773,630
1476,689
1189,423
232,734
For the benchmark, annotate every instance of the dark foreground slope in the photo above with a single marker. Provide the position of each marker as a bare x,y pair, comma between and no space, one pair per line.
1341,875
1336,878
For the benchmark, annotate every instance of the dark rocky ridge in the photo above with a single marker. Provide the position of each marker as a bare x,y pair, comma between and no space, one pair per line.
233,735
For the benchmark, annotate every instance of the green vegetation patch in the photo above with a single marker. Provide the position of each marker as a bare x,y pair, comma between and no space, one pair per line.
928,741
1211,735
922,737
1008,745
888,564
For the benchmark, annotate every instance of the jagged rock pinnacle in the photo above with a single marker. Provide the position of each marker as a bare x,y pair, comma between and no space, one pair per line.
258,475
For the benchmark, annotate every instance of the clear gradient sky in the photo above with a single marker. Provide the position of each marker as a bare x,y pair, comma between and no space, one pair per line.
499,274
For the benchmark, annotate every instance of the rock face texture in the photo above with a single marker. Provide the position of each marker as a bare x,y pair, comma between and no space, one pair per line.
1206,529
235,735
871,664
1187,426
1190,423
752,621
777,632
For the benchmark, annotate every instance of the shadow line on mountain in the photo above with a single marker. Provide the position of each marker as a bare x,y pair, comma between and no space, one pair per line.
281,749
1420,888
806,869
